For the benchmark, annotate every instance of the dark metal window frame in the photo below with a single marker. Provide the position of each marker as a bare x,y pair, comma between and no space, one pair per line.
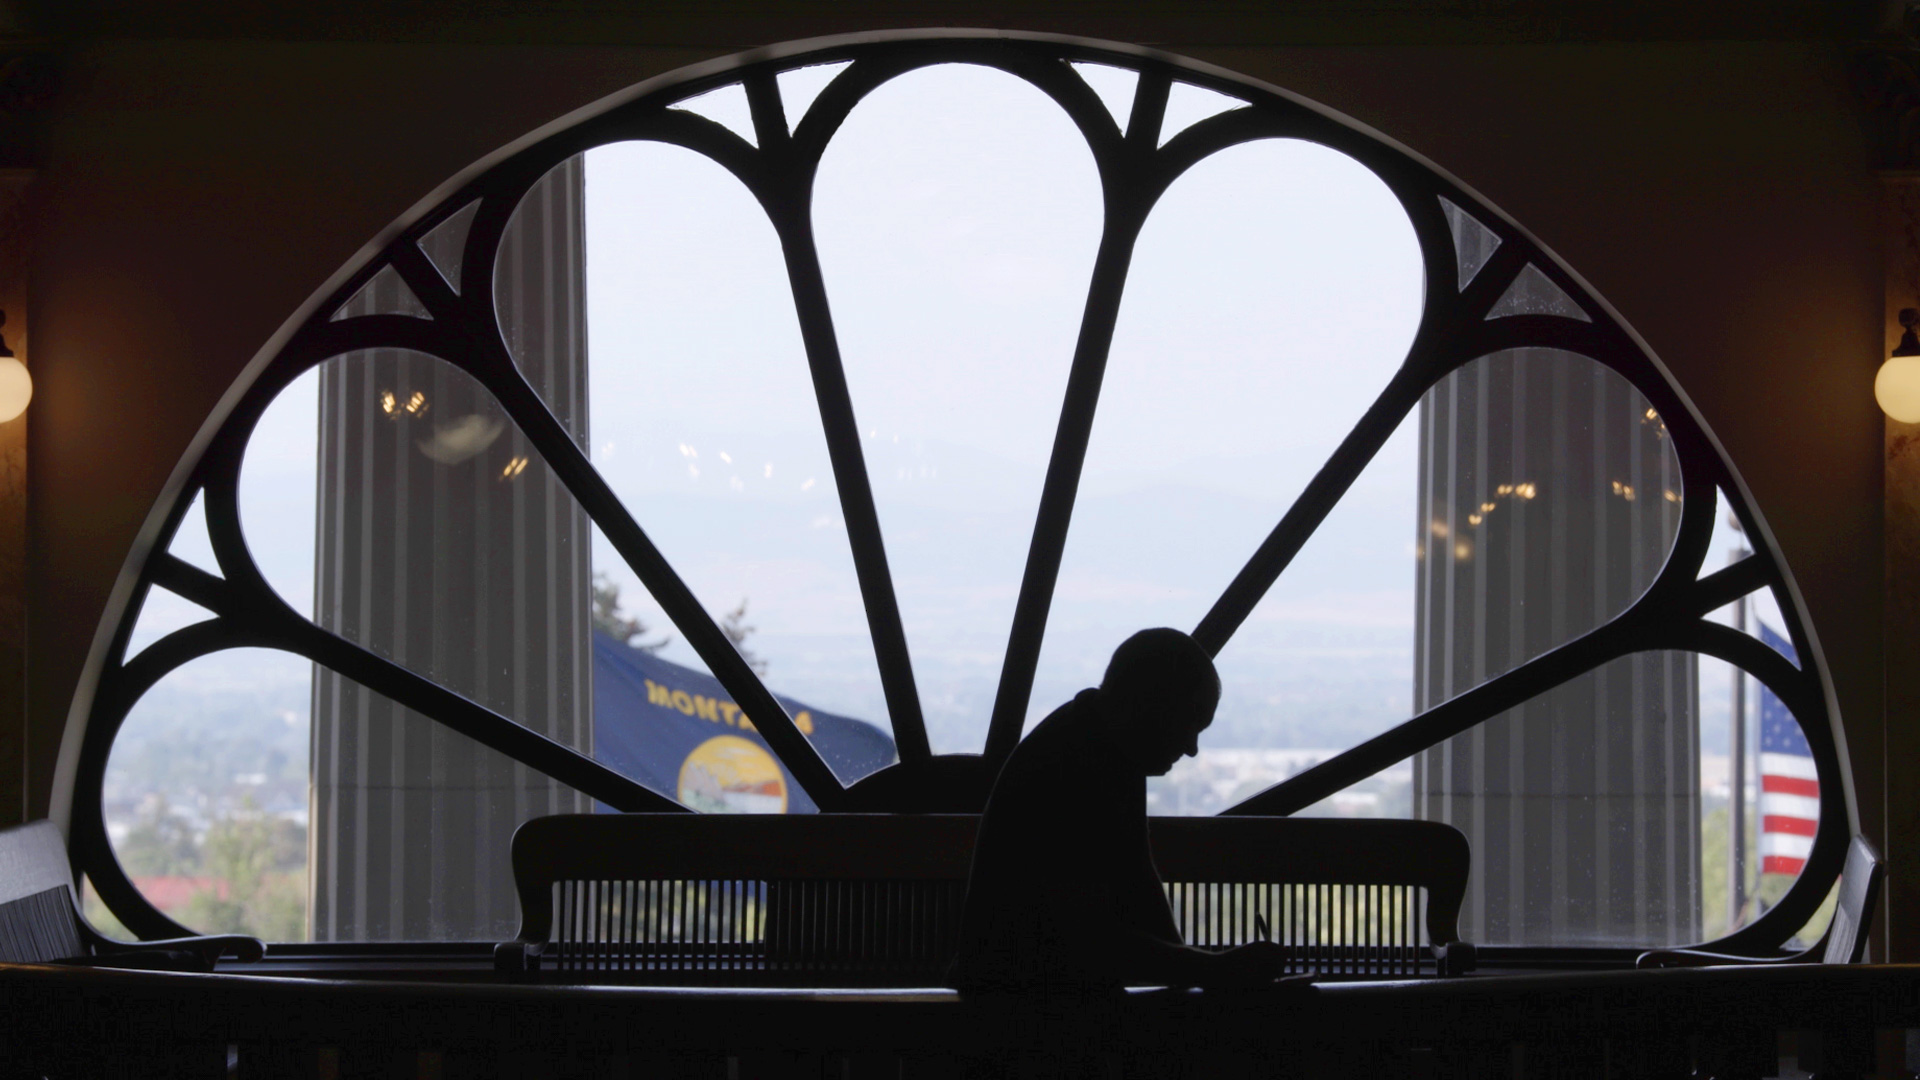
1134,169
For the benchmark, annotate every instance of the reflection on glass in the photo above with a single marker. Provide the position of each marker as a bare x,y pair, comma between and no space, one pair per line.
205,794
1532,293
383,294
1548,498
958,212
1235,371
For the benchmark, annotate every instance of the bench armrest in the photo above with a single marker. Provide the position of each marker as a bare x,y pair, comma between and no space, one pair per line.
1668,958
1454,958
518,961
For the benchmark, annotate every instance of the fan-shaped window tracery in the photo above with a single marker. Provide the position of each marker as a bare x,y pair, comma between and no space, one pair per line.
906,377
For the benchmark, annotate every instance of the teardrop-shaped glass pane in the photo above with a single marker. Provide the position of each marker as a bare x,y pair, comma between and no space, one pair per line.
1537,513
1598,812
1532,293
392,498
206,794
800,86
1473,243
1188,104
445,245
727,107
958,211
251,792
191,542
1115,86
161,614
1273,293
383,294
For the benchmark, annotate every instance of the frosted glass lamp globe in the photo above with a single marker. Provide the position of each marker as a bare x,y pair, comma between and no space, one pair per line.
16,388
1897,389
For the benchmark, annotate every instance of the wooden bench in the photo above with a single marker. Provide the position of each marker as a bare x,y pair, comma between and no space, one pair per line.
41,924
875,899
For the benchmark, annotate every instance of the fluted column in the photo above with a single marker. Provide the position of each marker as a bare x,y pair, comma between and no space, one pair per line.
445,545
1548,498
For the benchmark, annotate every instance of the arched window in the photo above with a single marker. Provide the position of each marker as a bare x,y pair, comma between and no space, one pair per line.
906,376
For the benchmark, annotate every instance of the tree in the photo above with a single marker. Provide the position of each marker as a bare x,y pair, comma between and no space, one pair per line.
608,620
734,625
258,866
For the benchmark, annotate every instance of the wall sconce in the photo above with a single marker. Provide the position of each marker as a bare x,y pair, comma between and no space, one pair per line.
1897,387
16,386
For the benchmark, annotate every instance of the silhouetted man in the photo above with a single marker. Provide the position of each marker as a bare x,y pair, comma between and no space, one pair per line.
1063,894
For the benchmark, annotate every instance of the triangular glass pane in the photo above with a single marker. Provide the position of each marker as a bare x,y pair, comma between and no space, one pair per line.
446,243
1473,243
384,294
1188,104
1115,87
161,614
1756,614
191,542
1533,294
727,107
800,86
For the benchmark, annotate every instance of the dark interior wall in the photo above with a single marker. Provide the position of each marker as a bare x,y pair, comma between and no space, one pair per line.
194,194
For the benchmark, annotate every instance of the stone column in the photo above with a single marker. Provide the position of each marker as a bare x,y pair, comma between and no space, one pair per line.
1544,510
445,545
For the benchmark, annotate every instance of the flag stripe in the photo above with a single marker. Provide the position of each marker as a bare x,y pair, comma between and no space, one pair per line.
1790,826
1790,785
1781,864
1795,766
1786,844
1793,806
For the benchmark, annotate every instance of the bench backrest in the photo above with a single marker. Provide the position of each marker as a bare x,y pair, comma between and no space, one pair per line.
875,899
37,921
1860,881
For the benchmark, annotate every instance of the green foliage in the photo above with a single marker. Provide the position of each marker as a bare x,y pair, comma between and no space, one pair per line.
262,862
734,625
161,842
608,620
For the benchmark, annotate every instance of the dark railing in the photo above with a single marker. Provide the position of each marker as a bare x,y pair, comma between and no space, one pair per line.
1825,1019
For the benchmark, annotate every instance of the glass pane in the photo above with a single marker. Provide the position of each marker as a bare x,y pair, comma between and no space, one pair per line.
1188,104
1756,614
958,212
1115,86
191,542
446,243
1598,812
1532,293
384,294
1274,292
727,107
210,796
206,789
700,402
161,614
442,541
1537,513
800,86
1473,243
279,484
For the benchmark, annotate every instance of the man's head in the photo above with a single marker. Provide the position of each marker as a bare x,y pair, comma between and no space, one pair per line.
1159,692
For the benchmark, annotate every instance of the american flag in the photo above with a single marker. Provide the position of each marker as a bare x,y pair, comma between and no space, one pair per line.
1789,786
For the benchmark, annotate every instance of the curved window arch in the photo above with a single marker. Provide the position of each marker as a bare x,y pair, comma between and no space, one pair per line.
1567,501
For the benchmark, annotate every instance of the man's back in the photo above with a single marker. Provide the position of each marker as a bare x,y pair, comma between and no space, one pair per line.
1062,870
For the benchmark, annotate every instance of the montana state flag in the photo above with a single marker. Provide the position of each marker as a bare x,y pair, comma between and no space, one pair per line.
677,731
